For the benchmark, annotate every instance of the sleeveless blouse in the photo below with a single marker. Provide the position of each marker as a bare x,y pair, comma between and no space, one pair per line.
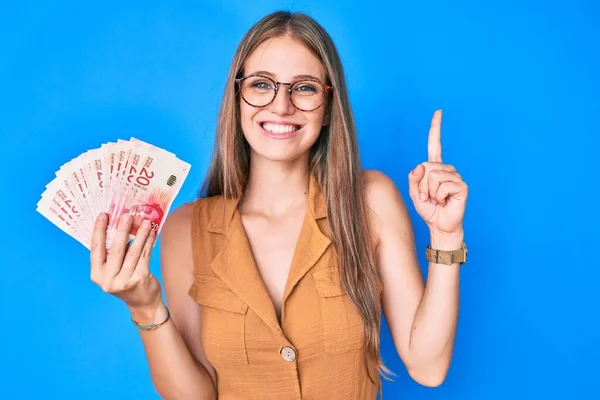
317,350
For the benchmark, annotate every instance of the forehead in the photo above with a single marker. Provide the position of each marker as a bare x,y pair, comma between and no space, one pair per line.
285,58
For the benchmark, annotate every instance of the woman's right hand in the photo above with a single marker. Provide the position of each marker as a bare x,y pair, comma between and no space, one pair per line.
124,271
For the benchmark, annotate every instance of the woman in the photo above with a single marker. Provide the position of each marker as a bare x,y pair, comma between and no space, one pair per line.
275,278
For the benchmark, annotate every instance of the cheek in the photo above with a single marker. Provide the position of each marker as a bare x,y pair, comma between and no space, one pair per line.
317,118
313,131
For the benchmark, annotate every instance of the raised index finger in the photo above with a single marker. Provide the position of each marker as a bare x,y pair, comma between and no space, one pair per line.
434,146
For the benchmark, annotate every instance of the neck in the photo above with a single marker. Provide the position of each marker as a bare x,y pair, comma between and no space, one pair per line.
274,188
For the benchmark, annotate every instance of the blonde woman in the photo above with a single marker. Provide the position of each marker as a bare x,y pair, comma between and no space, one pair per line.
275,278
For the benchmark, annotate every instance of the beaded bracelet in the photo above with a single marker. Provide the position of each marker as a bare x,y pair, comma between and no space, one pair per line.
151,326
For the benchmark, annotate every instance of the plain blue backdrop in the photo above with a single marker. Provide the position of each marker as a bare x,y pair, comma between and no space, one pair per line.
518,83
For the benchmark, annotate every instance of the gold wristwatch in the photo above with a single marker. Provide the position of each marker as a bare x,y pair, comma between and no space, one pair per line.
446,256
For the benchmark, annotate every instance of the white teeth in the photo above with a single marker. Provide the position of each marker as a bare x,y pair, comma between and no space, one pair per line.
276,128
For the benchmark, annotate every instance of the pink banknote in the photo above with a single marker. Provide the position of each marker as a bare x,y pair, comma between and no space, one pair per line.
127,176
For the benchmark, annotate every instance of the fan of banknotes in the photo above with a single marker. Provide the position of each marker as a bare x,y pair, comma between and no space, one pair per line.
129,176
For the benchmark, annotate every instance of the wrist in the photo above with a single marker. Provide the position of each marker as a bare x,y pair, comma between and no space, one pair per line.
446,240
149,314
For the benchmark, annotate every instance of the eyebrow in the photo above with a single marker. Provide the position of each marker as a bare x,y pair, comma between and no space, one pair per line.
294,78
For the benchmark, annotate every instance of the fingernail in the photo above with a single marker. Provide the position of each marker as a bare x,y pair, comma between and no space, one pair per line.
422,196
127,218
145,224
102,217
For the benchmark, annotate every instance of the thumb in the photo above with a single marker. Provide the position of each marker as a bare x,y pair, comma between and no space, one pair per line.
414,178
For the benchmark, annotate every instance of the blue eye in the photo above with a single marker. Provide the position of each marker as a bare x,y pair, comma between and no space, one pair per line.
261,85
305,87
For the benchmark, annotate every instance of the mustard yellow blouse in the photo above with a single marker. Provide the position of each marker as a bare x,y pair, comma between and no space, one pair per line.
316,352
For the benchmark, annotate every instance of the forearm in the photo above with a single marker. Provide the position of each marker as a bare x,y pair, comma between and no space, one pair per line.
434,328
175,373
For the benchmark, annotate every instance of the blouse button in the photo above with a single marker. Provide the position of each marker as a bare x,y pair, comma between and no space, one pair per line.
288,354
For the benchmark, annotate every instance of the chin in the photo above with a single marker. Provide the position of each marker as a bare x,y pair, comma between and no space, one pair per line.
276,155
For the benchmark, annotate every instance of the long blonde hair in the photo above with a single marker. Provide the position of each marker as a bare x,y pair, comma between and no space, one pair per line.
334,160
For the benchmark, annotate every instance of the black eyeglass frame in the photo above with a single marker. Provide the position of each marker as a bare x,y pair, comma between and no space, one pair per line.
327,88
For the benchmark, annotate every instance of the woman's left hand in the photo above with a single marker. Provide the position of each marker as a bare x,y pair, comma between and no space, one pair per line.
438,192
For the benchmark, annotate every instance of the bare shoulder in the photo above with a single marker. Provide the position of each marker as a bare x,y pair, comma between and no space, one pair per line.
176,236
382,194
177,220
178,225
385,203
176,248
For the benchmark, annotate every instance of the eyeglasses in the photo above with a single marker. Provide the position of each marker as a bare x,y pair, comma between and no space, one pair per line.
260,91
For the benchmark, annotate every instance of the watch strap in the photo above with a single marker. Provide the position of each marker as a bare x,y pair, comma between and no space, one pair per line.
447,257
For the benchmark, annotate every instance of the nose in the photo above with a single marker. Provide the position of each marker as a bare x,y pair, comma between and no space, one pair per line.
282,104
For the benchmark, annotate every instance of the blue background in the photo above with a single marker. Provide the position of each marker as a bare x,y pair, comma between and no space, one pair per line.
518,82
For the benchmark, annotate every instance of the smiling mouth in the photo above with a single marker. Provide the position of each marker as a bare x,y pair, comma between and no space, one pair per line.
279,129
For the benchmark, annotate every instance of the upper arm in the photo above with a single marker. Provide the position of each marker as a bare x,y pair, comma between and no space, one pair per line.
177,269
397,262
